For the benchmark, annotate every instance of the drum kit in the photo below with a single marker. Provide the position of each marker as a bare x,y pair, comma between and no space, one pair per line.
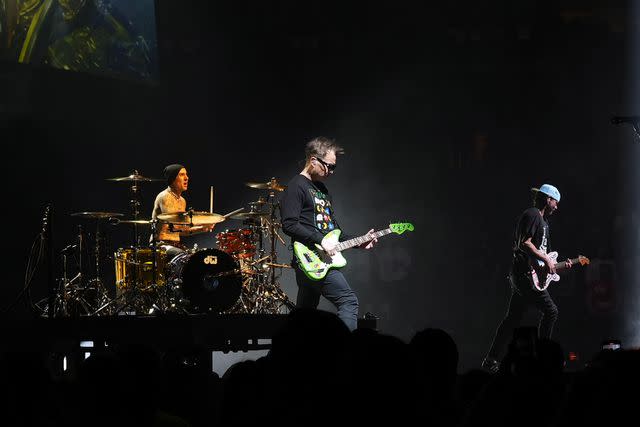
240,275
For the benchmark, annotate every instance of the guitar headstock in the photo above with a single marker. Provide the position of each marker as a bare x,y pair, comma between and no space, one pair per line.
401,227
583,260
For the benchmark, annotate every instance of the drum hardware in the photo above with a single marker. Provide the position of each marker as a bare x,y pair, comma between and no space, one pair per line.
271,264
135,198
116,221
73,297
261,292
95,284
134,177
140,281
97,215
191,218
205,281
260,202
255,216
272,184
66,293
240,277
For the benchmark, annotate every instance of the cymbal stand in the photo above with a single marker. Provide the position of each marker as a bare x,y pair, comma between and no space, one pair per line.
80,252
60,306
164,300
96,283
271,298
135,202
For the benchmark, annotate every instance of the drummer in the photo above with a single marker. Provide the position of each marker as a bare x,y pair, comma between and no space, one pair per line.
170,200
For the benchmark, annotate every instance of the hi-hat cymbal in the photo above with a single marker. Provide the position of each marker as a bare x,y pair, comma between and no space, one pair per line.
100,215
136,178
273,184
192,218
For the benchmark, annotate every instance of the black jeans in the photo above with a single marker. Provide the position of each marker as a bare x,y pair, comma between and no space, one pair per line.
335,288
522,296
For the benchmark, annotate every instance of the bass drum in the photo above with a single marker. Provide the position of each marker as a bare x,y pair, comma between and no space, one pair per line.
208,279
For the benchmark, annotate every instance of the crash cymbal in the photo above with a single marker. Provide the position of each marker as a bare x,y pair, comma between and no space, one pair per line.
249,215
136,178
192,218
100,215
273,184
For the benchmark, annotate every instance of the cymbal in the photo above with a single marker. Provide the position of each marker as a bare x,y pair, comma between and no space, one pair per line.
273,184
135,177
100,215
192,218
132,221
249,215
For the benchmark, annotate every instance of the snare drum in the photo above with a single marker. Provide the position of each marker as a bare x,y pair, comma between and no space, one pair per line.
209,279
136,266
239,243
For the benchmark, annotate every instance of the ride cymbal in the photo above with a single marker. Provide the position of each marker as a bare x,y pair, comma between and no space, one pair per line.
135,178
116,221
100,215
191,218
273,184
249,215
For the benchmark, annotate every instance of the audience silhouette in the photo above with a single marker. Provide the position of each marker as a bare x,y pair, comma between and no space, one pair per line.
318,372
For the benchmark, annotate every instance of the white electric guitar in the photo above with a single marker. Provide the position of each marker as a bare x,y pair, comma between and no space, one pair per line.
541,279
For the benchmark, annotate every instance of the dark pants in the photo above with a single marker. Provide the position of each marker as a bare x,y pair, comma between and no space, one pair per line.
333,287
522,296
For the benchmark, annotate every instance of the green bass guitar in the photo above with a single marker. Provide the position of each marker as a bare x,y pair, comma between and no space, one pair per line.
316,263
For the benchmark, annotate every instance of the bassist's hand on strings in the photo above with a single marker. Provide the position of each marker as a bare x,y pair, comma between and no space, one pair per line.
369,244
329,247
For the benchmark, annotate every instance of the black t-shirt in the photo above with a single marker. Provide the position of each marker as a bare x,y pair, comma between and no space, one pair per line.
306,211
530,224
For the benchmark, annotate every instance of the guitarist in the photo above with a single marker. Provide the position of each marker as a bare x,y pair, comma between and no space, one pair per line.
307,216
530,246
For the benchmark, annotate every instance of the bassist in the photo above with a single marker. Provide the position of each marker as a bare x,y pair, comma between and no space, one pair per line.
307,216
530,247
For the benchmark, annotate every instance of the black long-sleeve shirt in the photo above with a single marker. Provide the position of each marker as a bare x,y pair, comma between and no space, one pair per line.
306,211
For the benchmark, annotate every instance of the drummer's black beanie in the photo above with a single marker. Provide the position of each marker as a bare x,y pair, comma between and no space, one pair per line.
171,172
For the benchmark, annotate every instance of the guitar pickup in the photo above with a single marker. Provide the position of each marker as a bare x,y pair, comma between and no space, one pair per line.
308,258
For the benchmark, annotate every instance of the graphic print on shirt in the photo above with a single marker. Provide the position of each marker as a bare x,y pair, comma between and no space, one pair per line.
323,211
543,244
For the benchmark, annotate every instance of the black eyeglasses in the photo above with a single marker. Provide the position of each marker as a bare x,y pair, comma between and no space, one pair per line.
330,166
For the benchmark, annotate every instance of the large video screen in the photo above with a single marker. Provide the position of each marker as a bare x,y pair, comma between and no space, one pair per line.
109,37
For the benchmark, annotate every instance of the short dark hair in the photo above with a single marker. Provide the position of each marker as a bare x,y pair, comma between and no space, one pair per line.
320,146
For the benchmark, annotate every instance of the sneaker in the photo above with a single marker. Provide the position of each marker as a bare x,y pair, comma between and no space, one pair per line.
490,365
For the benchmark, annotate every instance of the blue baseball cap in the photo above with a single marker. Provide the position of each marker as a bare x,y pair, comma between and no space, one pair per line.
549,190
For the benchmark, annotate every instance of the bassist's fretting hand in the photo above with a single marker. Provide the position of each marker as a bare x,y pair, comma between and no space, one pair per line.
369,244
551,266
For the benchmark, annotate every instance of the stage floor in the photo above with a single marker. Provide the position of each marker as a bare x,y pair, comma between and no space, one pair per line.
221,332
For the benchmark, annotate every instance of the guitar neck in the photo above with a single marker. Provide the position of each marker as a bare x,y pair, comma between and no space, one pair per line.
357,241
562,265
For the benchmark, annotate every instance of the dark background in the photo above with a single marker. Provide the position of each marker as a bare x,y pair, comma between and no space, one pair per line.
449,114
